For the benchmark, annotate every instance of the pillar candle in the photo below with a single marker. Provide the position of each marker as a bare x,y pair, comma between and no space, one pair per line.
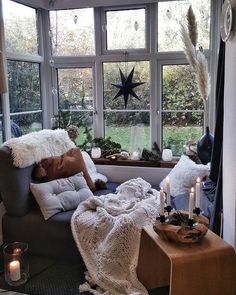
161,201
168,190
191,200
198,184
14,270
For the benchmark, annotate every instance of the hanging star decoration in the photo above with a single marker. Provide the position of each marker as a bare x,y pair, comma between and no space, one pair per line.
126,86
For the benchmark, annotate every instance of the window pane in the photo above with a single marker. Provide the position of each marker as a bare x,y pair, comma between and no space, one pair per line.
75,88
112,75
130,129
25,123
72,32
179,88
82,119
126,29
179,127
172,13
20,28
24,86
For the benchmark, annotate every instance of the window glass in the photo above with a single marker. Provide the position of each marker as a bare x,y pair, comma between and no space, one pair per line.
24,86
182,107
130,129
172,13
76,102
72,32
140,75
180,127
24,95
179,88
25,123
129,126
20,24
75,88
125,29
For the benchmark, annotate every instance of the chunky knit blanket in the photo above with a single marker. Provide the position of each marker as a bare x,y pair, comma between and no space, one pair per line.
107,231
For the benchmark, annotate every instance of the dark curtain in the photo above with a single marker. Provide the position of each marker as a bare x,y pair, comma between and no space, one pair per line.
216,160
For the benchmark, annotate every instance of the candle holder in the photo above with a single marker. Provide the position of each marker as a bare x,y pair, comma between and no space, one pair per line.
16,265
96,153
197,210
190,223
168,208
161,218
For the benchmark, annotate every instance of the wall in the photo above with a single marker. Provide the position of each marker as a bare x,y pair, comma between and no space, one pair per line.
122,173
229,141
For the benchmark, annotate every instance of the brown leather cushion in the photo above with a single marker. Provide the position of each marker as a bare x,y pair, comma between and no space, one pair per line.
62,166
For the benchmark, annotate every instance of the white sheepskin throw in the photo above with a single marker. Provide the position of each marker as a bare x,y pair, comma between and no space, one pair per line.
33,147
107,232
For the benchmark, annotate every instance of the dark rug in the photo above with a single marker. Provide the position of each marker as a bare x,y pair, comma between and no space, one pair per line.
52,277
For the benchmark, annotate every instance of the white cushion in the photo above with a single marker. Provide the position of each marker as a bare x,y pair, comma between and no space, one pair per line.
92,170
184,175
61,194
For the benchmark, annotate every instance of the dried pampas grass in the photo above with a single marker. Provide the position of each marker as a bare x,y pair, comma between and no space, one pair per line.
196,58
202,76
189,49
192,26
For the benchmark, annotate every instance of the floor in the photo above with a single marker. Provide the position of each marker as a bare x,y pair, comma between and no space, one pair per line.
51,277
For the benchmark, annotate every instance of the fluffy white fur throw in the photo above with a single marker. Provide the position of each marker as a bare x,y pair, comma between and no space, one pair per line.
35,146
107,233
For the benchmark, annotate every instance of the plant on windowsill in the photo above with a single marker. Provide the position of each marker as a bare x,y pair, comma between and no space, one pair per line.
198,63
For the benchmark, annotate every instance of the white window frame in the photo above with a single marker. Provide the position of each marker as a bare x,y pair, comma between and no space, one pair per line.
48,74
32,58
104,26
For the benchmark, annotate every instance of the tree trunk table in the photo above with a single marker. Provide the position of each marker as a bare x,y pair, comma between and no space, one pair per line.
207,267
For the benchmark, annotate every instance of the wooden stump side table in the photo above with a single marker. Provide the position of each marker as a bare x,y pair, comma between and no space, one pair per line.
204,268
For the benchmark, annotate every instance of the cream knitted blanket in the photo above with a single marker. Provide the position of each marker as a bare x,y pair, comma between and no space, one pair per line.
107,233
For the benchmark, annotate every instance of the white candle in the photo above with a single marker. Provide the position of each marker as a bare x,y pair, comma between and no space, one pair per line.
191,200
168,190
161,202
198,184
14,270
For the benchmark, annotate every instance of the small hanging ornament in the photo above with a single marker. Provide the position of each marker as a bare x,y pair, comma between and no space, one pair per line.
76,19
136,26
126,86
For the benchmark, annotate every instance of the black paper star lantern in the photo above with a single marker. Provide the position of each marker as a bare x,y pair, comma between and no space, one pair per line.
126,86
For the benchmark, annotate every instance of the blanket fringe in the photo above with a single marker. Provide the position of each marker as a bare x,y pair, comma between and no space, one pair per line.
87,288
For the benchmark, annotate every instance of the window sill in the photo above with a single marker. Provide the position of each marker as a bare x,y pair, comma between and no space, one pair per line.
119,162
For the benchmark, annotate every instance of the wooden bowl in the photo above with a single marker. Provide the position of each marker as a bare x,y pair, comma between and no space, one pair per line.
181,233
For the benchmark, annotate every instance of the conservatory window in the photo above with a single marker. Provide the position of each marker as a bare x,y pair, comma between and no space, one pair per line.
72,32
182,108
76,100
20,23
24,95
172,13
125,29
128,126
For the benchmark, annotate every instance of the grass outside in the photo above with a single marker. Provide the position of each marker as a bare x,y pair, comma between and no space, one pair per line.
173,137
